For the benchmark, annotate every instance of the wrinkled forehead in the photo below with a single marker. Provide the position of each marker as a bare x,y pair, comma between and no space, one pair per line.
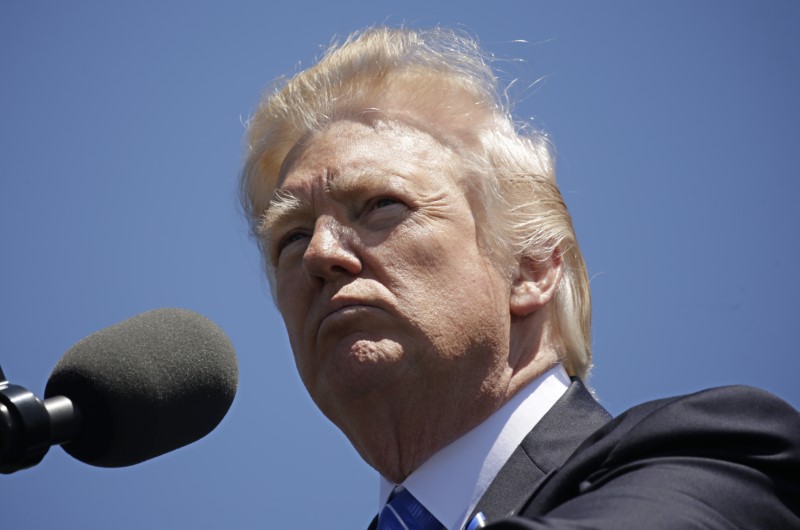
376,147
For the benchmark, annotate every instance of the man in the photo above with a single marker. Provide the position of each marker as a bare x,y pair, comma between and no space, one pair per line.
438,308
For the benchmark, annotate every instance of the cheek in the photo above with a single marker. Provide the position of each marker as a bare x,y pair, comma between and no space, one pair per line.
418,273
302,349
444,282
291,301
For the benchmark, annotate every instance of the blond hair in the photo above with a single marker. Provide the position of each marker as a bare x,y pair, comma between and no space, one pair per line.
438,81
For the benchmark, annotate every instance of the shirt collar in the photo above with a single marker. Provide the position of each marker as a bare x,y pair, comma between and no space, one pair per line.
452,481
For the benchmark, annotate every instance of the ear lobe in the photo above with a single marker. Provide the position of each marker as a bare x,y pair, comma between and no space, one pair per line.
536,284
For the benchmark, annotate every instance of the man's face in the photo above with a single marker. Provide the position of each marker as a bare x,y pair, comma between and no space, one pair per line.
385,293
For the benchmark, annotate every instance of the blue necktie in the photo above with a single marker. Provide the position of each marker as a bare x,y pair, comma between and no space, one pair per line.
404,512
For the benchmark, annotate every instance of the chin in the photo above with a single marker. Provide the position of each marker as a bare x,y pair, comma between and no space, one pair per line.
359,368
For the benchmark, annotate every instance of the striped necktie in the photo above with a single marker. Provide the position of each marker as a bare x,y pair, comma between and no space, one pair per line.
404,512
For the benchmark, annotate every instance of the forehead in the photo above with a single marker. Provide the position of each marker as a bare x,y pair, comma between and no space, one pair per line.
348,150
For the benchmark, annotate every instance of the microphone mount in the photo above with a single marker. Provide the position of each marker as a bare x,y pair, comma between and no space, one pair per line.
29,426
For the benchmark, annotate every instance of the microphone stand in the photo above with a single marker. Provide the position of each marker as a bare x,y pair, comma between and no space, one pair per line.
29,426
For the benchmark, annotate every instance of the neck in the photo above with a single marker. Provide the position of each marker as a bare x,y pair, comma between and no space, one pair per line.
399,426
397,440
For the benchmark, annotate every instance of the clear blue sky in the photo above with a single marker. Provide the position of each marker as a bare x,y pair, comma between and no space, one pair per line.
677,131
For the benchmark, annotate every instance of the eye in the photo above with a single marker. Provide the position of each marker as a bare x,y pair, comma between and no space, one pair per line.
379,204
289,239
292,237
383,212
384,202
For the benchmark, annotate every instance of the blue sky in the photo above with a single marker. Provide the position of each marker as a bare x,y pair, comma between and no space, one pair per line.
120,144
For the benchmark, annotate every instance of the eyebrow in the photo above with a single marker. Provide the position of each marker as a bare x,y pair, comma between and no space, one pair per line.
283,206
353,181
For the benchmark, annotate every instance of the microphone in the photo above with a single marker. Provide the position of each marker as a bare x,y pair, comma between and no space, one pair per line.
127,393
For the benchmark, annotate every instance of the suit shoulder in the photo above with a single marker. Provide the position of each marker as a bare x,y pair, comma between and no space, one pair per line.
728,454
738,423
744,407
742,418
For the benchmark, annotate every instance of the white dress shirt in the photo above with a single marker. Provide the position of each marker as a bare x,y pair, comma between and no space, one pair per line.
452,481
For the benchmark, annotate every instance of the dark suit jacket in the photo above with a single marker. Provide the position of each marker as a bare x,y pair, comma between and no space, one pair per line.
722,458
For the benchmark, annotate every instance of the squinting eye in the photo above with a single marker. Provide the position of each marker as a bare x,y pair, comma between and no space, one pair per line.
385,201
290,238
384,210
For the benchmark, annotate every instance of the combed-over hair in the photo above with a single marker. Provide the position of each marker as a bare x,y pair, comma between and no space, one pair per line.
440,82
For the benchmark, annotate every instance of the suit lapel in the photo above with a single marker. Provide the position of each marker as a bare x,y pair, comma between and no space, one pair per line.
565,426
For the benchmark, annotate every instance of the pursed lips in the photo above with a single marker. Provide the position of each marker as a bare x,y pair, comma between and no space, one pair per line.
341,301
340,305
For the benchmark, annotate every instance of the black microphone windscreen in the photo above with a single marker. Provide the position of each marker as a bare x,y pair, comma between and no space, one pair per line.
146,386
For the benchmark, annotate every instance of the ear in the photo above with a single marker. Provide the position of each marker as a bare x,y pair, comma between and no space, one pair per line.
536,284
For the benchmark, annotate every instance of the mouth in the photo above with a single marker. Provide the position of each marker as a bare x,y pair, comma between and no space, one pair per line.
344,308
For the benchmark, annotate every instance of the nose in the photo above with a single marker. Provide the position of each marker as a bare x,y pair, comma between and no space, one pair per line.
330,252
